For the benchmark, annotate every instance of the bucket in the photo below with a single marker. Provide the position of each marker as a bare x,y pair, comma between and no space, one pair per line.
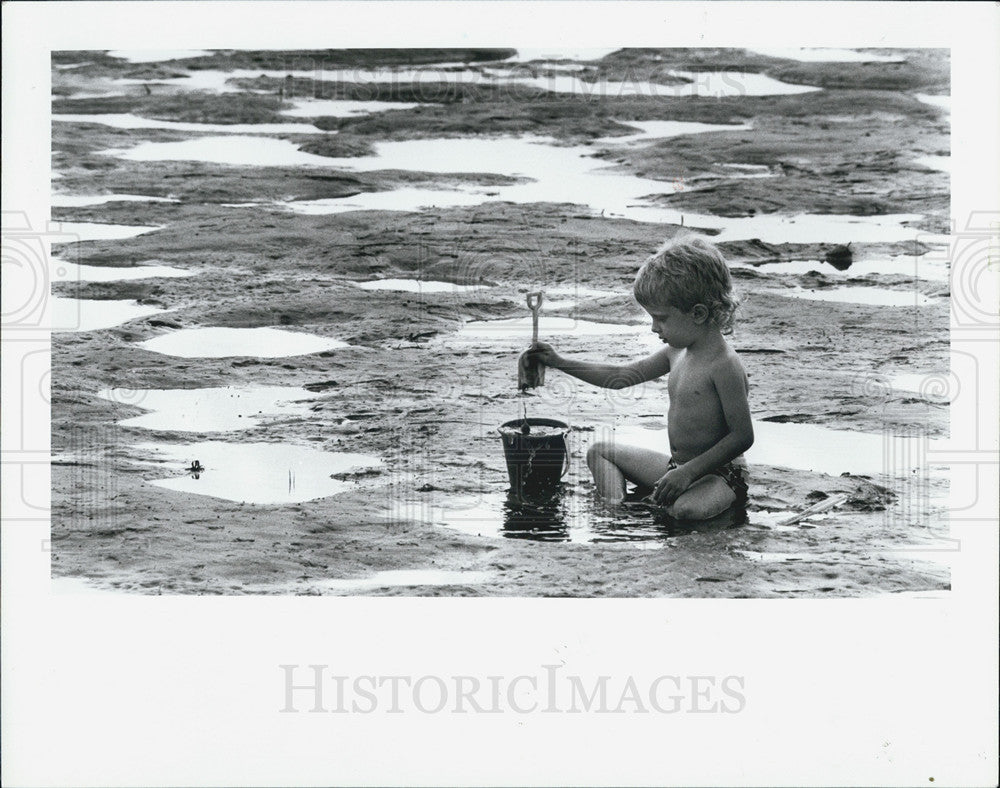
536,461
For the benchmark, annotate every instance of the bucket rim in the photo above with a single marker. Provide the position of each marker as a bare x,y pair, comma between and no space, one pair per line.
535,421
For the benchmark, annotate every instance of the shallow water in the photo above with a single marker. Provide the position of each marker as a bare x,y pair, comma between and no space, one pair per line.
77,314
941,102
804,228
918,267
938,387
63,271
825,55
408,199
810,447
125,121
575,515
703,83
94,231
227,342
210,409
77,200
417,286
396,578
562,174
714,84
257,473
156,55
234,149
938,163
586,54
557,174
875,296
662,129
572,515
215,81
332,108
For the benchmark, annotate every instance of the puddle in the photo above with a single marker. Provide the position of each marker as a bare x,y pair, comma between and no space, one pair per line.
402,578
216,81
258,473
325,108
77,314
918,267
575,516
803,228
227,342
417,286
771,558
572,516
938,163
662,129
571,175
123,121
78,200
63,271
94,231
585,54
715,84
210,409
558,174
407,199
932,386
941,102
703,83
810,447
874,296
520,327
821,55
157,55
233,149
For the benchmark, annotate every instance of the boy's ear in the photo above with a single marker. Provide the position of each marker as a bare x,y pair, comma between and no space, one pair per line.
699,313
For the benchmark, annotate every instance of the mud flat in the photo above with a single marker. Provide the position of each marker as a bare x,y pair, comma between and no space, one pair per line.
411,378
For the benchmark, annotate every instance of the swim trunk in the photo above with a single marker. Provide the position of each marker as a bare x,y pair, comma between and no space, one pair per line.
734,474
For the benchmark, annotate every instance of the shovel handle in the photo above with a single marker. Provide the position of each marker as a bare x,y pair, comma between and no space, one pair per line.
534,304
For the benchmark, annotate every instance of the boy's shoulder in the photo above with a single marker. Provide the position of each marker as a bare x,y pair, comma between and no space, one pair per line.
727,359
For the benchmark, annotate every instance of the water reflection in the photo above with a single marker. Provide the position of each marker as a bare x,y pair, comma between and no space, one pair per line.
573,515
543,519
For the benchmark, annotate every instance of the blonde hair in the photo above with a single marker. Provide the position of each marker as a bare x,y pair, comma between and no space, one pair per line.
686,271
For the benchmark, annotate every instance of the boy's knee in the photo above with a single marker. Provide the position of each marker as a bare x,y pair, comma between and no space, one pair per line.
685,510
598,450
692,508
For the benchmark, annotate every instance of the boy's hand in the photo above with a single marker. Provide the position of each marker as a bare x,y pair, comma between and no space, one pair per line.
670,486
543,353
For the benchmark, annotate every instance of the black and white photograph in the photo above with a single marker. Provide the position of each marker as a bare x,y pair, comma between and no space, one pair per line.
515,322
672,333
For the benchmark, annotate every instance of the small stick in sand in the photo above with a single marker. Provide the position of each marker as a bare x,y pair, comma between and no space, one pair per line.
816,508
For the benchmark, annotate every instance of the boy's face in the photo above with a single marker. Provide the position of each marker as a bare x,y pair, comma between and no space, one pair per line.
674,326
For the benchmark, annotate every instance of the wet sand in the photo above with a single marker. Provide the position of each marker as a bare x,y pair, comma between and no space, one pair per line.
410,389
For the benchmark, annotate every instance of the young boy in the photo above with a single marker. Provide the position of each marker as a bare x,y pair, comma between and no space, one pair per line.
685,287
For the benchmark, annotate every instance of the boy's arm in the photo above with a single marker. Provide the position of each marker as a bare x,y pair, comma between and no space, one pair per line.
731,384
613,376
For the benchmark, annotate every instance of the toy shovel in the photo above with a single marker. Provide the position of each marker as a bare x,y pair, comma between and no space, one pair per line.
530,373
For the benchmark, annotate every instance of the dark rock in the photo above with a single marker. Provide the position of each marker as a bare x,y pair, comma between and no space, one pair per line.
840,257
